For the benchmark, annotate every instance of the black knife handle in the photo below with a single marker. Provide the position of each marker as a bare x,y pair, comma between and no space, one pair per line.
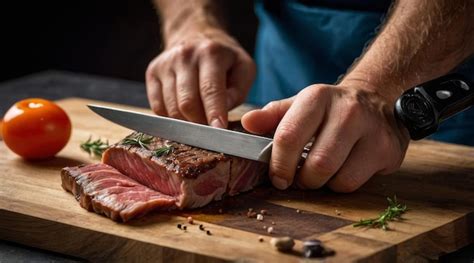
423,107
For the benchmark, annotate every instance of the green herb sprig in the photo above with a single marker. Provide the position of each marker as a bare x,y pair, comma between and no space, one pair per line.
393,211
140,140
95,148
163,151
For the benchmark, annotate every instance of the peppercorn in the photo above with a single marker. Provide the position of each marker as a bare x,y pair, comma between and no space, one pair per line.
185,227
208,232
201,227
179,226
312,248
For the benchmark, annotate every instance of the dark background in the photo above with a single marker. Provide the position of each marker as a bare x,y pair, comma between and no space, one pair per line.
110,38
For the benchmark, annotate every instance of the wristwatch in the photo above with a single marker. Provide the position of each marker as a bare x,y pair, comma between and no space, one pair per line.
421,109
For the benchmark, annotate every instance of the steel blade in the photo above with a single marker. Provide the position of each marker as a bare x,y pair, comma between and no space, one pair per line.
202,136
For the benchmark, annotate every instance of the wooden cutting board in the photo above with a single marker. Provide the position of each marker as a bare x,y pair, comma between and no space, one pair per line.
436,181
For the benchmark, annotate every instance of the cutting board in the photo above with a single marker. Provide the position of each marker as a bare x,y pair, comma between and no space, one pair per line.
436,181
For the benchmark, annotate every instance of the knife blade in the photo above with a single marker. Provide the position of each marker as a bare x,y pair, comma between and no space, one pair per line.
230,142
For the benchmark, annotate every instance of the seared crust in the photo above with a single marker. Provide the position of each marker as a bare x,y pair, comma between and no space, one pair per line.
184,160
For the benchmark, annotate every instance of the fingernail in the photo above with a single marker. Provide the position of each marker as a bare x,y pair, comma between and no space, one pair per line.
279,182
216,122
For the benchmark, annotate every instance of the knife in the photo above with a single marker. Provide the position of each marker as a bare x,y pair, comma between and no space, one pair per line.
230,142
419,109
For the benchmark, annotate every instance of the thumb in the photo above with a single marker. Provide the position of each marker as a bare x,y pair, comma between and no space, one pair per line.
266,120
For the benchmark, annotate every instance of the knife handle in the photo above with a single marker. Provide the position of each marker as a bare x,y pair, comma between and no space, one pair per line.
422,108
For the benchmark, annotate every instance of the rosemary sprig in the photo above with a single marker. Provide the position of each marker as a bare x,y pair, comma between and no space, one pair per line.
393,211
165,150
140,140
95,148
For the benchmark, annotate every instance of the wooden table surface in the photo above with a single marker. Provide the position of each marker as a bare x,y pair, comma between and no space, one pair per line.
436,181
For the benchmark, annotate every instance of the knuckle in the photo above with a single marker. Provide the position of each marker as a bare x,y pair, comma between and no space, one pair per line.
186,104
210,90
210,48
314,92
287,136
184,52
322,164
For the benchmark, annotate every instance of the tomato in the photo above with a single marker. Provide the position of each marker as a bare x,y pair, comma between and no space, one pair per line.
36,128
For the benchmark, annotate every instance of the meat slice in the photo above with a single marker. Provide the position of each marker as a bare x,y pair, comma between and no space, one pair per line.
104,190
193,176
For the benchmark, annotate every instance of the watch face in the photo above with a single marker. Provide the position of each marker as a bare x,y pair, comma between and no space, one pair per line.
417,110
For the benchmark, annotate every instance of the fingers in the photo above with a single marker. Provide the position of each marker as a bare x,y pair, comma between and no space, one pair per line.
169,96
212,88
266,120
294,131
357,169
187,92
154,93
332,146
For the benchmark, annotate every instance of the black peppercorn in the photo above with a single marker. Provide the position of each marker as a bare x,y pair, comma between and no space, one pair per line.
312,248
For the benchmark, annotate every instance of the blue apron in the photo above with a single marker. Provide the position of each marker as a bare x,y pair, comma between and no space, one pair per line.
300,43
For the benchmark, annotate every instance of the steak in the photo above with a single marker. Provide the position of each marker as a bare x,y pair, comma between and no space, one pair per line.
136,177
104,190
193,176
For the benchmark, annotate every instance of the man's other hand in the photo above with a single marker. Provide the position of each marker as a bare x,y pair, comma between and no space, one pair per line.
199,77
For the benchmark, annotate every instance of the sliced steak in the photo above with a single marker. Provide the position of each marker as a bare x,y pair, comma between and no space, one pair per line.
104,190
193,176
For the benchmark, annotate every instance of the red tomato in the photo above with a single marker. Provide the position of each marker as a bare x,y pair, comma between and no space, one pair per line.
36,128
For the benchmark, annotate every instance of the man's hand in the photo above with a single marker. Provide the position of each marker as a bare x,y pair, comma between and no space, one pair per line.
356,136
199,77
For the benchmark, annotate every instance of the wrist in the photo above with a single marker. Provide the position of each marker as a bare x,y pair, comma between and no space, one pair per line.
386,88
189,23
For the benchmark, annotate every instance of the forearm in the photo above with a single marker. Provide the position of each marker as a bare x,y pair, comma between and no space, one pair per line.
180,16
421,40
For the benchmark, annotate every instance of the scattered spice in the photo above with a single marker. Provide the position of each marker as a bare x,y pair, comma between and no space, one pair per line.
179,226
393,211
201,227
298,211
338,212
95,148
251,214
208,232
260,239
270,230
190,220
185,227
259,217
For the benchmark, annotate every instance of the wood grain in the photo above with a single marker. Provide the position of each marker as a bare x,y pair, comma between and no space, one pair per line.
436,181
